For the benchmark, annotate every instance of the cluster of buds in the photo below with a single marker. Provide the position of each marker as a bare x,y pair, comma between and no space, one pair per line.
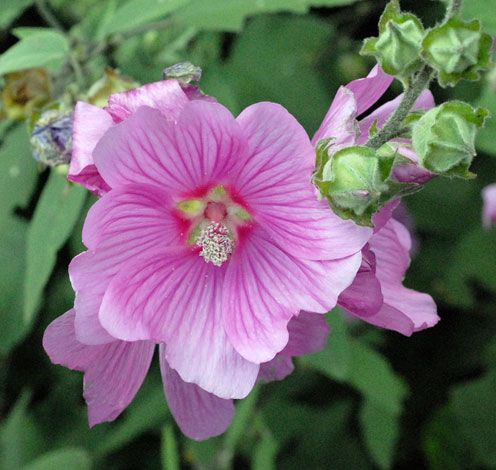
454,49
358,180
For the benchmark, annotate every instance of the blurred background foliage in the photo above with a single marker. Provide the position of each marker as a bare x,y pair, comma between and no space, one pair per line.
372,399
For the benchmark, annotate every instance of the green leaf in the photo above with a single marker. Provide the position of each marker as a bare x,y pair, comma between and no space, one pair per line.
479,9
229,15
380,429
26,31
18,176
170,455
135,13
54,218
265,452
11,10
485,136
471,262
36,50
335,360
474,406
20,439
372,375
73,458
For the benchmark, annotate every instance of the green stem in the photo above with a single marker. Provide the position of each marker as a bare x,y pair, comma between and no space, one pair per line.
48,16
394,124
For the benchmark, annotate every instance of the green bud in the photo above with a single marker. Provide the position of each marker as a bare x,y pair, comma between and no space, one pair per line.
353,180
444,138
398,48
457,50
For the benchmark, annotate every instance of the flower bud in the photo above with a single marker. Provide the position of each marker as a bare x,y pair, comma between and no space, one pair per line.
457,50
112,82
25,91
51,140
398,48
183,72
444,138
353,180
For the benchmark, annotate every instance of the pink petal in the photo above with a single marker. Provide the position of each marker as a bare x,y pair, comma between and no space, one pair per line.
340,121
90,123
392,319
369,89
364,297
391,246
199,414
175,297
166,96
201,149
308,334
123,224
132,215
381,217
275,183
113,372
489,209
265,287
276,369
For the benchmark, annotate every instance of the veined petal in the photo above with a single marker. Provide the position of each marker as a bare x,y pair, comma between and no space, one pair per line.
199,414
122,225
369,89
364,297
276,369
90,123
340,121
113,372
308,334
391,247
201,149
130,215
275,183
167,96
265,287
174,297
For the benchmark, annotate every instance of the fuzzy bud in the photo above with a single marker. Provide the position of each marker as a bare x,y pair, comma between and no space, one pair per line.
51,140
457,50
444,138
398,48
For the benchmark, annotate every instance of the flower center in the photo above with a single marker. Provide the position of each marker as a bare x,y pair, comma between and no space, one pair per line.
215,221
215,243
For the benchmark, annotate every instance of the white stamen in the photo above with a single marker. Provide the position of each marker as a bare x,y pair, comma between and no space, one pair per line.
215,243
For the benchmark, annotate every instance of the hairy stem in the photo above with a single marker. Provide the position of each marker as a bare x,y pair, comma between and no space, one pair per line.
453,9
394,124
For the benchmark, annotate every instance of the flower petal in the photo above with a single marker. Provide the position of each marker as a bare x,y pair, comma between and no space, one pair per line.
340,121
489,208
369,89
175,297
123,224
265,287
364,297
276,369
90,123
201,149
391,247
308,334
113,372
275,183
167,96
199,414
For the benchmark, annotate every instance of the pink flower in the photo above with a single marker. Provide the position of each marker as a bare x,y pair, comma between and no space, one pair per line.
208,240
377,294
115,371
354,99
489,209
